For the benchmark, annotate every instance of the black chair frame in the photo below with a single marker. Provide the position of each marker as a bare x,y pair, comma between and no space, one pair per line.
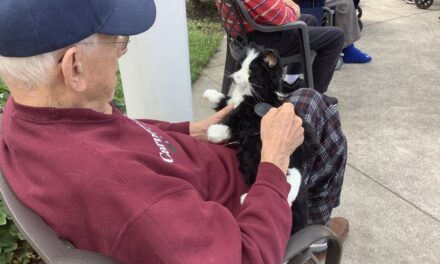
238,41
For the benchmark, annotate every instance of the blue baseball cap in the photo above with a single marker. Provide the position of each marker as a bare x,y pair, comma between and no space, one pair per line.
33,27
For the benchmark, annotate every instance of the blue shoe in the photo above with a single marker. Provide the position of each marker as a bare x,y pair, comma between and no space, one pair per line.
354,55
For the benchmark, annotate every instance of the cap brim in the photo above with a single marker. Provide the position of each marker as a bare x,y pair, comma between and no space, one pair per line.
130,18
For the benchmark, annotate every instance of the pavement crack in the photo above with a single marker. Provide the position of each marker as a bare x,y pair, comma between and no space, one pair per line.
212,79
395,193
391,19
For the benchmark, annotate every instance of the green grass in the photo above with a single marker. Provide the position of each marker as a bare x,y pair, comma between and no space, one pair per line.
119,100
204,38
2,86
4,94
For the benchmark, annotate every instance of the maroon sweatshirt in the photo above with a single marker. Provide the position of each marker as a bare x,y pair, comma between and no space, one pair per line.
142,191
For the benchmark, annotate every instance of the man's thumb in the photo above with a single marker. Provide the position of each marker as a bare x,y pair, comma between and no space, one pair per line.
225,111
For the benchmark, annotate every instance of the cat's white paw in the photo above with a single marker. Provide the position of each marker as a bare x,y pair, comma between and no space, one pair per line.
213,96
218,133
294,179
242,198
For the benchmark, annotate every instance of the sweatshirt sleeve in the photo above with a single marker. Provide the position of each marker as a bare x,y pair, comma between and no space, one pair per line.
272,12
182,127
181,227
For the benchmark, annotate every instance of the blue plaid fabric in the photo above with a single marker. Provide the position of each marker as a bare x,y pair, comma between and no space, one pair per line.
325,173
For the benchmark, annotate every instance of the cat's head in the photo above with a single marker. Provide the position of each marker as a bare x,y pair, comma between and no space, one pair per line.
260,73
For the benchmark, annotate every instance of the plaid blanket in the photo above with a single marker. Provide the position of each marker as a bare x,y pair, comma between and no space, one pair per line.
325,173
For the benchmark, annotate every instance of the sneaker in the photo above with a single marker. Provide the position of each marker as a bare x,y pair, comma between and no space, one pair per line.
351,54
340,227
289,88
330,99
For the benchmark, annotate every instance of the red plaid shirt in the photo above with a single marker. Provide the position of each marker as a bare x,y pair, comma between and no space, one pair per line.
269,12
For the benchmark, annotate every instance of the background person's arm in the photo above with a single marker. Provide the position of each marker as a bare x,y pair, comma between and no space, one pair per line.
271,12
294,6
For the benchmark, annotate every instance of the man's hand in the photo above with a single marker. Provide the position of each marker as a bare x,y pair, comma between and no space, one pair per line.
199,129
293,6
281,134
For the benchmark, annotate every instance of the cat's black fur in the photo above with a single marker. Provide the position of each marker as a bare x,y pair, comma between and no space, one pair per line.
244,126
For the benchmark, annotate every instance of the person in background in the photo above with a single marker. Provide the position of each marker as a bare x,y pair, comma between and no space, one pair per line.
346,19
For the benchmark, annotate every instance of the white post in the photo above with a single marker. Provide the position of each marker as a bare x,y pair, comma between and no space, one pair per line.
155,71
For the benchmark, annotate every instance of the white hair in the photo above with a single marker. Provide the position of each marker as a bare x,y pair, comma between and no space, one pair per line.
35,69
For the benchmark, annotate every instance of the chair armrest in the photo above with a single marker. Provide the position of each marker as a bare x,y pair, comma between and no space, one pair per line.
84,257
301,241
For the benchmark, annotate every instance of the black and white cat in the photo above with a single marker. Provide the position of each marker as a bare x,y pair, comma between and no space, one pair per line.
260,80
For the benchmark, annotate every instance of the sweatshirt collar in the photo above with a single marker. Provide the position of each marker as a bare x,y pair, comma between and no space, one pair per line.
51,114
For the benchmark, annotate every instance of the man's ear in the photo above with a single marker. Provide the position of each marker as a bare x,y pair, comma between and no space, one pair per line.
271,58
73,70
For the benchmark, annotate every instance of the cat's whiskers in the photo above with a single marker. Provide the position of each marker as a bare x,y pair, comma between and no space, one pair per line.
256,95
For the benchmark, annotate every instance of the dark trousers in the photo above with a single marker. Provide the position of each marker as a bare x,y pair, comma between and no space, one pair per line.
327,42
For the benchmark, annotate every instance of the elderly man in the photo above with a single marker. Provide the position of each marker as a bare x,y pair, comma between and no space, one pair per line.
142,191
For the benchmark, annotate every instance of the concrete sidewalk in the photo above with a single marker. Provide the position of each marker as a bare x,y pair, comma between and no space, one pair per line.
390,111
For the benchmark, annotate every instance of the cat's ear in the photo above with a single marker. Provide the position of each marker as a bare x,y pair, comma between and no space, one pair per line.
271,58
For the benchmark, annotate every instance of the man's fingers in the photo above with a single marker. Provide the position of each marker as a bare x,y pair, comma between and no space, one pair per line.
298,120
272,112
224,112
227,109
286,109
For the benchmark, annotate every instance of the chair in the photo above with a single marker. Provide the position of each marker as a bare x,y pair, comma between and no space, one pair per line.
298,251
324,13
54,250
315,8
234,15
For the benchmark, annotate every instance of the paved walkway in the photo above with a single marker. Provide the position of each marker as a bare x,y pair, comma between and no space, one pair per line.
390,112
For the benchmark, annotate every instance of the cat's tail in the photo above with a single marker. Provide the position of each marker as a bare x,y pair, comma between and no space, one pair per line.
299,207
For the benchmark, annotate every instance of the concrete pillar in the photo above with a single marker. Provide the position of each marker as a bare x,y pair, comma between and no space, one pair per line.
155,71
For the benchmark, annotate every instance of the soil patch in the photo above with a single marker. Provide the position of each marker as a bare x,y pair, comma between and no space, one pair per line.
202,11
